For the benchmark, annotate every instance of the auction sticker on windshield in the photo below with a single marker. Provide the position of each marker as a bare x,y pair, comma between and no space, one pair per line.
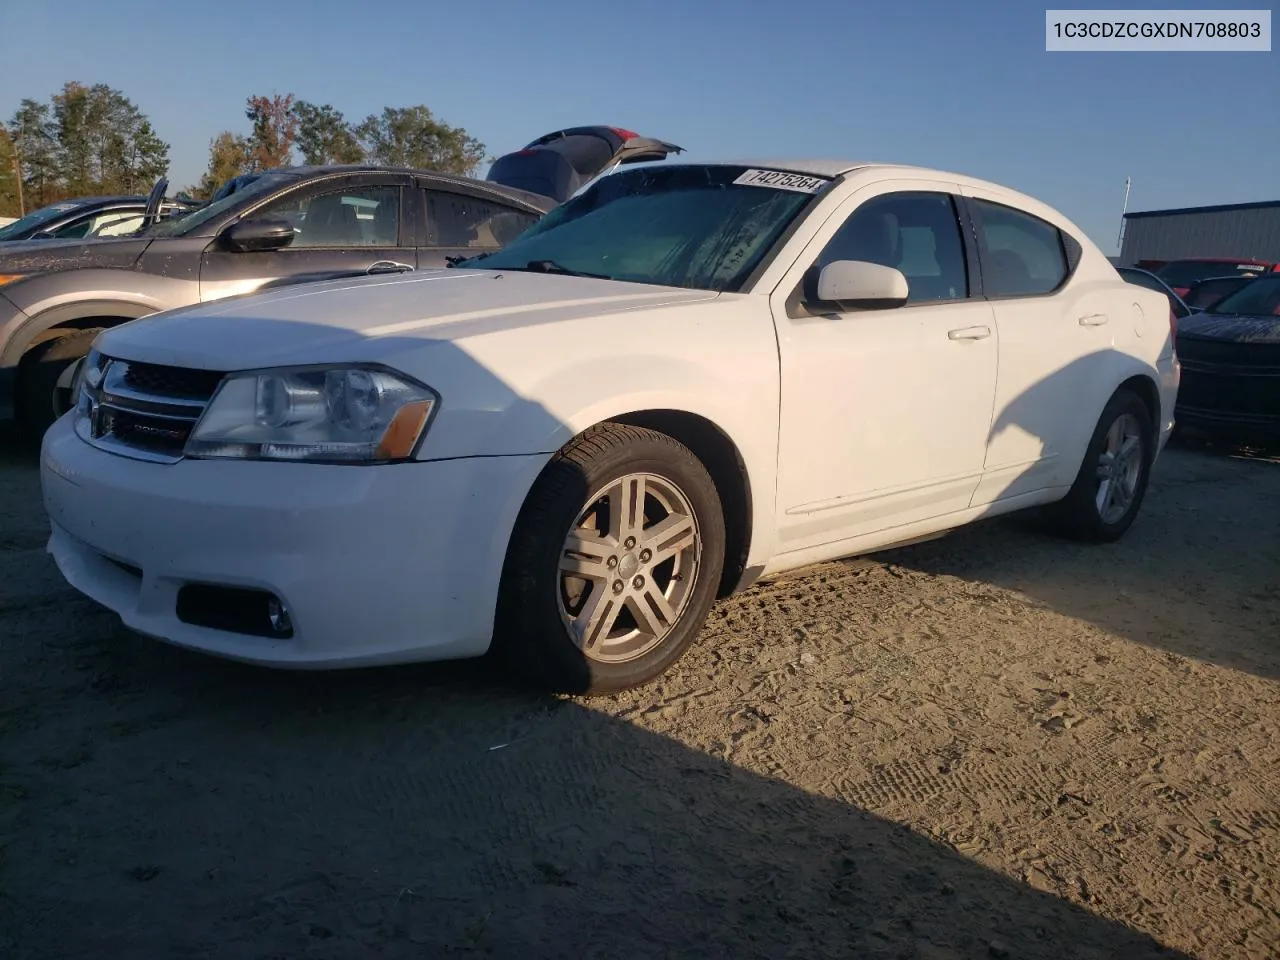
782,181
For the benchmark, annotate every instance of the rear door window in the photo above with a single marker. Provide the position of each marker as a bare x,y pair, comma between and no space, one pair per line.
1022,255
457,220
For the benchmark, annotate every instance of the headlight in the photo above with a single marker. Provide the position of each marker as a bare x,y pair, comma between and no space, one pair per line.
88,373
344,414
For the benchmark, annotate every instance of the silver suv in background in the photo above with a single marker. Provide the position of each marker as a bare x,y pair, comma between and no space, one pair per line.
283,226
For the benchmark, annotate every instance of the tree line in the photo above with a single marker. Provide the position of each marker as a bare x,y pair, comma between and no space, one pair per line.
89,140
82,140
319,133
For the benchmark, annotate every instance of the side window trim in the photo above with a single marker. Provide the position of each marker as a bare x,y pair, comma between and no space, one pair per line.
972,257
413,211
984,254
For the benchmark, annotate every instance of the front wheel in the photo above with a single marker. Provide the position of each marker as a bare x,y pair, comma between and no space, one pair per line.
1112,481
45,376
613,564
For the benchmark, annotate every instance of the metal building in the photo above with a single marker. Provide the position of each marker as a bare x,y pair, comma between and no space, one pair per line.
1231,230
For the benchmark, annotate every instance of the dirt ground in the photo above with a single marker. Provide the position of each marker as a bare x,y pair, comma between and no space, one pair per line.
992,745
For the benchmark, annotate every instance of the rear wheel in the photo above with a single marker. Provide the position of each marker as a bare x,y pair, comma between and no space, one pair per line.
1112,481
614,563
45,374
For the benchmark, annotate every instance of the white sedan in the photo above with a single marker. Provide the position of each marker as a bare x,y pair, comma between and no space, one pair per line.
685,379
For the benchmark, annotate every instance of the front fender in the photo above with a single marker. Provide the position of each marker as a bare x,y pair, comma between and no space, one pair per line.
721,365
483,414
47,300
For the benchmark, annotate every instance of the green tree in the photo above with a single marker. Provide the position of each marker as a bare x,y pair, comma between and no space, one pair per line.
413,137
228,157
105,144
10,185
324,136
275,127
144,157
86,139
73,131
32,133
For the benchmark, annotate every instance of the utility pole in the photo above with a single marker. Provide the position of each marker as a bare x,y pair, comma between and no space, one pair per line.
17,166
1128,181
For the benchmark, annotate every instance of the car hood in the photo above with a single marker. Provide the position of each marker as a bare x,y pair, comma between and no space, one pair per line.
355,320
49,256
1230,327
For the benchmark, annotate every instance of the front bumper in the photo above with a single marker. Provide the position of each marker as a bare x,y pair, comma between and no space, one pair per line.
1226,425
379,564
1231,401
11,319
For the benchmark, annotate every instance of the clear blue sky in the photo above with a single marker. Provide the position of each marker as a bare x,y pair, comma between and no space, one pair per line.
959,85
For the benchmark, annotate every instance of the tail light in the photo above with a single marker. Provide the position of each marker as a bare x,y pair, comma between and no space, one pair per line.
1173,328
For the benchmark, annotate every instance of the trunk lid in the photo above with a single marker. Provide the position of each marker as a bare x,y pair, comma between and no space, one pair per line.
559,164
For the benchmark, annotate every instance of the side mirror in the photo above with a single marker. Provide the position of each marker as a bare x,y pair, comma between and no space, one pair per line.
861,284
256,236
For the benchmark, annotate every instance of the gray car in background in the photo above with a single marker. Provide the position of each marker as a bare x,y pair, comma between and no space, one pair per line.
290,225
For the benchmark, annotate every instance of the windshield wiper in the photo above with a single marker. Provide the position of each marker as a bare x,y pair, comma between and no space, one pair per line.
550,266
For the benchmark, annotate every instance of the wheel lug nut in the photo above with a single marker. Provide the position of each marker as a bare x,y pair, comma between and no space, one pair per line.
646,556
612,562
630,542
638,582
618,586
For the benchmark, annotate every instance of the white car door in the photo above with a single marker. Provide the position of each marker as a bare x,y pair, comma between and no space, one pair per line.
1051,335
884,412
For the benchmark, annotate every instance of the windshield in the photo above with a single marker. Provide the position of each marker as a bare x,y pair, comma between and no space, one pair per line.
1208,292
1183,273
685,226
37,217
182,226
1259,298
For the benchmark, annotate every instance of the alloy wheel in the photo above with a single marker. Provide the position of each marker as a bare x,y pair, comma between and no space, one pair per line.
1119,468
628,567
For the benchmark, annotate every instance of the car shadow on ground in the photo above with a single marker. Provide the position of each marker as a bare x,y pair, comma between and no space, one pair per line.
1209,528
214,810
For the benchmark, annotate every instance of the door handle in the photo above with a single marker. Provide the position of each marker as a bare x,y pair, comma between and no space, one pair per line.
969,333
1093,320
388,266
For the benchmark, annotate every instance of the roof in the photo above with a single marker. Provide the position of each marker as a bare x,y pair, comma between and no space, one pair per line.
1220,208
320,170
88,201
812,167
311,170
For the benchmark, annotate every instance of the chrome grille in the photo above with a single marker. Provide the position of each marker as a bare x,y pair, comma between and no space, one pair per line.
143,410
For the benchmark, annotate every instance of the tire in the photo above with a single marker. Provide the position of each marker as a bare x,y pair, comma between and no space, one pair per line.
654,591
42,393
1090,513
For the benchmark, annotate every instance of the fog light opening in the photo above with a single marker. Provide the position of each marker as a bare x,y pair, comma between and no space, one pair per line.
256,613
278,615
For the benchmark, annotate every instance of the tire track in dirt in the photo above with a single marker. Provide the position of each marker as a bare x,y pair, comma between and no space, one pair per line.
1100,725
